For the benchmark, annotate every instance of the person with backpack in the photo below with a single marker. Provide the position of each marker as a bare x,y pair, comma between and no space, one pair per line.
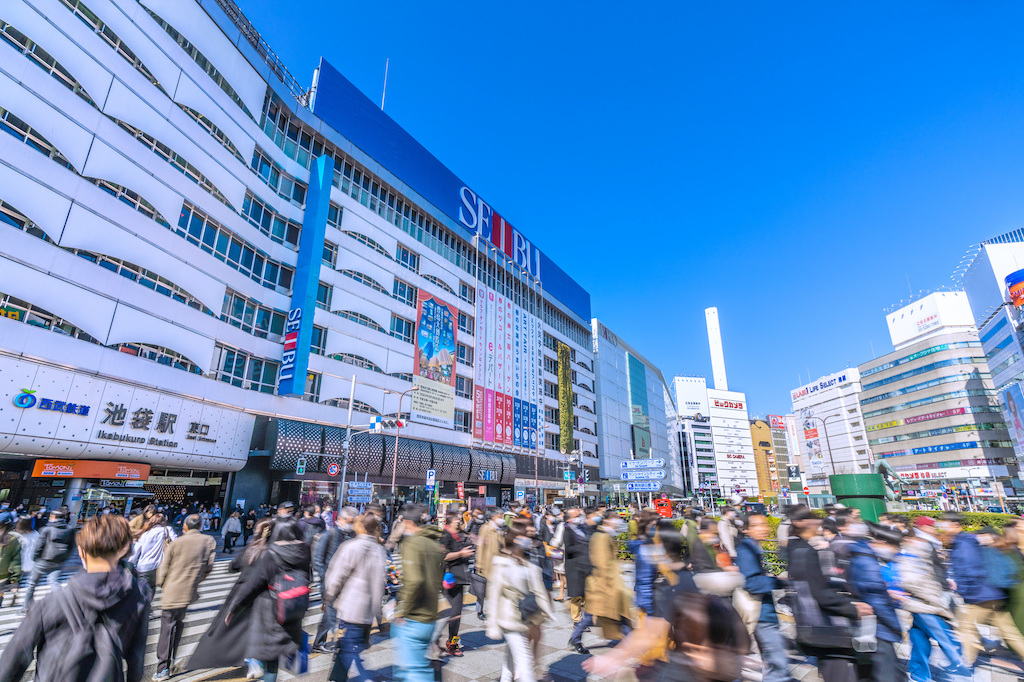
354,585
979,578
186,563
94,629
866,582
416,611
56,542
148,552
341,531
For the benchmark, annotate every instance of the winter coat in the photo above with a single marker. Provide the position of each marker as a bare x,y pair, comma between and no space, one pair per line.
355,580
422,559
489,544
187,561
510,581
757,583
967,569
10,563
577,559
645,573
803,565
458,567
327,546
606,593
267,639
47,632
727,534
56,541
924,593
864,579
28,542
148,551
311,527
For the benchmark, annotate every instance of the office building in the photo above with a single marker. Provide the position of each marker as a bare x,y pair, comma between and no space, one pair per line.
764,460
209,271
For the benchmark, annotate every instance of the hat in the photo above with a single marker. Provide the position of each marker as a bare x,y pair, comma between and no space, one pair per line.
924,521
286,505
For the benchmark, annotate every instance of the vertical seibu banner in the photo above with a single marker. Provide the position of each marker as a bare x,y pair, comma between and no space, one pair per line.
506,390
434,362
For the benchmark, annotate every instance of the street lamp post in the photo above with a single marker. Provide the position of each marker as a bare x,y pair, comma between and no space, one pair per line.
398,431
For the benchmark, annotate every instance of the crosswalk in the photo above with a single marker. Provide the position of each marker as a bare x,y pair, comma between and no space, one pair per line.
212,593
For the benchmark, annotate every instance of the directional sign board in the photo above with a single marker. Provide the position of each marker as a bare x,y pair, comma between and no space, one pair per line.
360,484
643,464
644,486
360,499
656,474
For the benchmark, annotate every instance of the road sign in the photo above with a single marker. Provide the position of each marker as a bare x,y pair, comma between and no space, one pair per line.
360,484
431,477
300,466
359,499
520,494
807,491
643,475
644,486
617,486
760,498
785,491
332,469
642,464
566,474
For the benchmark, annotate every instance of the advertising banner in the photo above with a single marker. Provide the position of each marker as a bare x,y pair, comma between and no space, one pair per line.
434,362
479,363
537,368
517,381
83,468
641,443
489,417
1015,288
776,422
499,368
565,443
1013,409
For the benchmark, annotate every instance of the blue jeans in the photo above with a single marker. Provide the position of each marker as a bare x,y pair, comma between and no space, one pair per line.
774,654
411,663
52,579
328,622
926,627
353,642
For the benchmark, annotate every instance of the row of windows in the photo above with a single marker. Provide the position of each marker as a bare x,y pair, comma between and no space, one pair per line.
215,132
42,59
1006,363
238,368
177,161
995,328
211,237
251,316
918,355
11,124
277,179
986,426
956,378
999,346
269,222
923,370
927,401
130,198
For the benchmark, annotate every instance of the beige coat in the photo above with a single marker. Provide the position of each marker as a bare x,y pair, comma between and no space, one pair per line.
355,580
187,561
509,579
607,596
490,544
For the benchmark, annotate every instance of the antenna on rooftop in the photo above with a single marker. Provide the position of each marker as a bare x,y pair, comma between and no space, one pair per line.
384,94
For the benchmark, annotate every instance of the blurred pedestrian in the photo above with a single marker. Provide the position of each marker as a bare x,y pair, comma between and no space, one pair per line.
137,523
866,583
149,548
488,545
56,542
458,553
581,526
231,532
311,523
416,611
10,562
341,531
607,599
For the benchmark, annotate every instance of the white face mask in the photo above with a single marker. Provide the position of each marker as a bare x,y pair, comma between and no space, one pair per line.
858,529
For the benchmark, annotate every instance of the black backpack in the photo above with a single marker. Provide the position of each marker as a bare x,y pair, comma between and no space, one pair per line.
95,652
290,588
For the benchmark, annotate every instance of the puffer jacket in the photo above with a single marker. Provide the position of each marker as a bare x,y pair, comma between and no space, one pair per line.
56,541
967,569
864,579
267,640
646,572
123,601
924,593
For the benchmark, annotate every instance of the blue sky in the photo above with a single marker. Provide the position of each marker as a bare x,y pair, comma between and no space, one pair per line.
793,164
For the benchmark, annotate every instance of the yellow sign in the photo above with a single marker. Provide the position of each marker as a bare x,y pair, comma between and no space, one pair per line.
886,425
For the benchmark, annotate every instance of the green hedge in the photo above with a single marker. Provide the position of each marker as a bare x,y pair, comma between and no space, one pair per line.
973,521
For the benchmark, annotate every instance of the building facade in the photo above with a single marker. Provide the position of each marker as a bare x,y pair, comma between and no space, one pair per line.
830,429
765,460
634,413
209,267
931,409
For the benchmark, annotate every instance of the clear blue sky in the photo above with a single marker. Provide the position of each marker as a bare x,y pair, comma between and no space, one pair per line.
791,163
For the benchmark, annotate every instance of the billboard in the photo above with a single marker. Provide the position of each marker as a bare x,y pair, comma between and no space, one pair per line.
776,422
641,443
928,314
434,362
1013,409
1015,288
565,425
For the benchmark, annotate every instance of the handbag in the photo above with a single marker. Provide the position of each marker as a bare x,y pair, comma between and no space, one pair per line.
813,626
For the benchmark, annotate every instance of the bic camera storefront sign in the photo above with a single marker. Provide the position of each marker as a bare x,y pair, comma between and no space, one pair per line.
53,412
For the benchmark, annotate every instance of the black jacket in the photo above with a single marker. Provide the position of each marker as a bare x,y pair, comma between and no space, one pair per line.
576,541
804,565
311,527
458,567
89,599
54,546
327,545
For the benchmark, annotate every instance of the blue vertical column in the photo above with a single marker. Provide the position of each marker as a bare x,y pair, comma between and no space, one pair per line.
298,329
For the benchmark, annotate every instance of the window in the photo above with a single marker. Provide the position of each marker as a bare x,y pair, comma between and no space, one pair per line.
407,258
159,355
330,256
359,318
358,361
127,196
11,124
42,59
312,393
324,293
363,239
241,369
208,125
437,281
405,292
276,179
365,279
318,341
251,317
269,222
465,323
205,233
334,215
463,421
550,390
467,293
464,354
463,387
551,365
402,328
551,441
15,218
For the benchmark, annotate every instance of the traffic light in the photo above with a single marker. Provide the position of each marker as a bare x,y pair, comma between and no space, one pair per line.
300,466
380,423
586,475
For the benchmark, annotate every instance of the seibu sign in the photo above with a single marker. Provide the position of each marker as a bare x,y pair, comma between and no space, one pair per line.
84,468
477,216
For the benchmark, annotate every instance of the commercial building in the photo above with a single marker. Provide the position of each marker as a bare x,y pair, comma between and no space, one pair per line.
930,407
764,460
697,454
634,412
209,272
830,431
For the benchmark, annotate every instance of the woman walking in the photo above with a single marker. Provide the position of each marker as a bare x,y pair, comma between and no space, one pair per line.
516,602
148,552
458,550
10,562
29,538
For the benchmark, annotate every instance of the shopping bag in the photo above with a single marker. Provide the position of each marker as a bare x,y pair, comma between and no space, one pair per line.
298,662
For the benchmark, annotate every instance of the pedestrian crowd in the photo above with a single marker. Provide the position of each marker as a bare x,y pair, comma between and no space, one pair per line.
705,594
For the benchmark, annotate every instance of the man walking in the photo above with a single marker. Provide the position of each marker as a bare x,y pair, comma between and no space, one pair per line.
232,530
576,540
187,561
416,612
340,532
54,546
489,545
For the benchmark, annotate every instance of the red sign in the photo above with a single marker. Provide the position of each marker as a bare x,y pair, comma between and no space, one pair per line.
807,491
461,488
84,468
482,490
810,434
934,415
776,422
730,404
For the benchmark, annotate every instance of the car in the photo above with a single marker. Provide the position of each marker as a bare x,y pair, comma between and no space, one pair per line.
624,512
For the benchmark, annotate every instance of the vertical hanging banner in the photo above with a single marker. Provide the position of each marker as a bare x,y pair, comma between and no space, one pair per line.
509,372
517,394
499,369
565,443
479,359
489,370
538,377
298,330
434,362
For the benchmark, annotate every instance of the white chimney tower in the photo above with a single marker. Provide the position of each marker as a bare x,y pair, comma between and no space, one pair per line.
717,354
